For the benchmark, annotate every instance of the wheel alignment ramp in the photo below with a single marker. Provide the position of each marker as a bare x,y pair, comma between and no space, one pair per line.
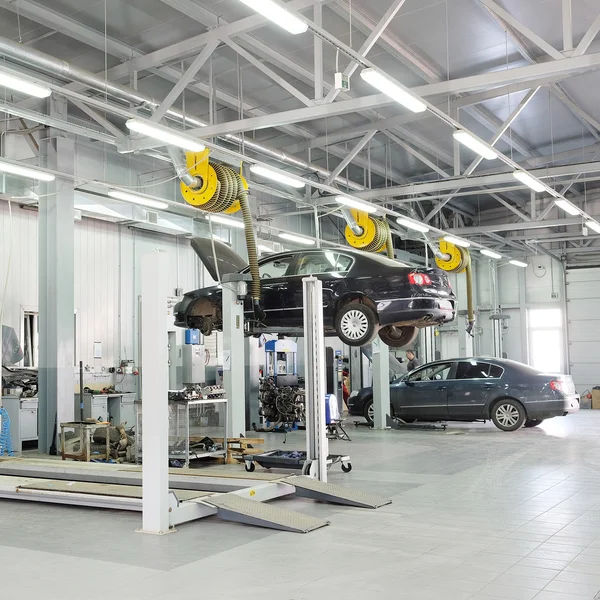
307,487
231,507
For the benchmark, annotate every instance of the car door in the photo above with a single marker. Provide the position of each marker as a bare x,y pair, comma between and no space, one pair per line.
330,267
474,382
277,291
423,393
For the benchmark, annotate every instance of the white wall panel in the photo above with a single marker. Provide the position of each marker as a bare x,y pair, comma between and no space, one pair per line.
583,300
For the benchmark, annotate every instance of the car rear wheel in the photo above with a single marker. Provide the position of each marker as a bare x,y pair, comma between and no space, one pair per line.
398,337
508,415
533,422
356,324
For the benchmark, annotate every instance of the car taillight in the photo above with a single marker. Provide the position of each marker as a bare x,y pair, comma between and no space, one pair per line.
419,279
556,385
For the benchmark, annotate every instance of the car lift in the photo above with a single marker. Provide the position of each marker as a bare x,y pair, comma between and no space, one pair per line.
166,497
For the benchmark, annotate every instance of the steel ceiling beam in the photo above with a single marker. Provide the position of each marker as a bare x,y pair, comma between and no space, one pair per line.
522,29
567,23
371,40
350,156
456,86
416,154
522,225
588,38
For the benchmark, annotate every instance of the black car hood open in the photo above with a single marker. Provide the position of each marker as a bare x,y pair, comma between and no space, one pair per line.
228,261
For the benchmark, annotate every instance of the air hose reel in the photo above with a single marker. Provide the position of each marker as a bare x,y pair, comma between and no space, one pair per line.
220,189
455,259
375,235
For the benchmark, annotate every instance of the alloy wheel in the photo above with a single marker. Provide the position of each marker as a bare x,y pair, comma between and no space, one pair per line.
507,415
354,324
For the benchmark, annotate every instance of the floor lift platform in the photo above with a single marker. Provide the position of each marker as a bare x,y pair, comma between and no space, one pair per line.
194,493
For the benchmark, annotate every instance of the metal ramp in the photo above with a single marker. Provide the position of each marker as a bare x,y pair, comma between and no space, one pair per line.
306,487
231,507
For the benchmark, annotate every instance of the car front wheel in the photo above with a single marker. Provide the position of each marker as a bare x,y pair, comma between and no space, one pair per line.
356,324
369,411
398,337
508,415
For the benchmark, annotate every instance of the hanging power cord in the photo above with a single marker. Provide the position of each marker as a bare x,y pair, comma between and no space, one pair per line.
8,264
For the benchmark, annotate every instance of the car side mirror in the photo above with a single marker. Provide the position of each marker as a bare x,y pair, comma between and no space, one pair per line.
409,382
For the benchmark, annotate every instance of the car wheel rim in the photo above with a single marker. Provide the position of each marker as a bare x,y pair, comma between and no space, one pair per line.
507,415
354,324
371,412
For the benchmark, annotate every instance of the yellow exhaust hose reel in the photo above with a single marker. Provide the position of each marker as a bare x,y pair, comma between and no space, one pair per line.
220,189
376,235
458,260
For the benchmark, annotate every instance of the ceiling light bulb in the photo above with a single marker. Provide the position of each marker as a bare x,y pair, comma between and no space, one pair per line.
276,176
518,263
409,224
137,199
593,225
279,15
457,241
22,85
163,134
490,253
298,239
529,181
357,204
6,167
568,207
393,90
226,221
470,141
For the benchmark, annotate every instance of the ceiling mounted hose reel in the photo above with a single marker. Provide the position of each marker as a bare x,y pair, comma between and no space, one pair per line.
368,233
217,188
454,259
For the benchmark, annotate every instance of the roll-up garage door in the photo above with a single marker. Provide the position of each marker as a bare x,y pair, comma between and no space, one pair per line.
583,316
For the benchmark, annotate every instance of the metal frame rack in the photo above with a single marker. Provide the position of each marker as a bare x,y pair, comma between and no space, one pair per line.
179,430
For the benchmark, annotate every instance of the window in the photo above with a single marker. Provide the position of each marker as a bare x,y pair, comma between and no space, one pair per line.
474,369
278,267
29,339
433,373
545,339
323,262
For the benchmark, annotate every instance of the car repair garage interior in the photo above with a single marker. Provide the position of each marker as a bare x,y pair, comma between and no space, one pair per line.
299,299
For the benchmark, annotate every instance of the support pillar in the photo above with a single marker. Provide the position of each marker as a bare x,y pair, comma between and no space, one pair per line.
234,290
56,286
427,345
155,393
381,384
317,444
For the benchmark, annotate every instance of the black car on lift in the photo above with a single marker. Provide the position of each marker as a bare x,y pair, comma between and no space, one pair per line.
475,389
363,294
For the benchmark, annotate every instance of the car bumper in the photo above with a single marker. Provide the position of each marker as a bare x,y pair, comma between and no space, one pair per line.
438,310
572,404
355,406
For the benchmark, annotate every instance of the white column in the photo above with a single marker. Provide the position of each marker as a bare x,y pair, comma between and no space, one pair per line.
381,383
317,444
56,286
234,356
155,387
427,345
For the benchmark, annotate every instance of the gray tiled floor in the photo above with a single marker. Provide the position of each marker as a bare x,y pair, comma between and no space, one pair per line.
477,514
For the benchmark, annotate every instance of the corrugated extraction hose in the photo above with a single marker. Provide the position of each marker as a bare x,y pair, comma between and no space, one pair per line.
470,307
389,244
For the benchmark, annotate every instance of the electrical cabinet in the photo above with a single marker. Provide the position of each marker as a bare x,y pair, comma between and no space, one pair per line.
23,414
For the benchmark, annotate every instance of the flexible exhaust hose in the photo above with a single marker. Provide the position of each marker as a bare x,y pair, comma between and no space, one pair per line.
389,244
470,308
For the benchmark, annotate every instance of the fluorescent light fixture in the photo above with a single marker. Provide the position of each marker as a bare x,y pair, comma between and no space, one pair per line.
279,15
593,225
297,239
490,253
393,90
226,221
22,85
357,204
568,207
98,209
6,167
137,199
457,241
529,181
276,176
409,224
165,135
518,263
470,141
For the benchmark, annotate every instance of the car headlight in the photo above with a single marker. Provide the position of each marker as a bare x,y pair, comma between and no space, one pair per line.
353,394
